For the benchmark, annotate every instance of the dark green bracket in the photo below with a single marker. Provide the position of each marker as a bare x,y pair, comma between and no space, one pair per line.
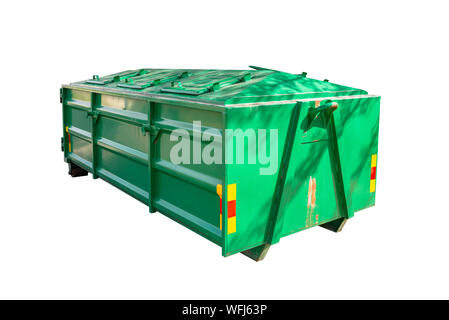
156,135
324,111
262,68
129,83
151,149
337,175
94,115
271,236
265,69
303,74
154,131
96,79
177,86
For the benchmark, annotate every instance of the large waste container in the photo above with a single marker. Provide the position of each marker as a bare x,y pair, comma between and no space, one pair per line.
241,157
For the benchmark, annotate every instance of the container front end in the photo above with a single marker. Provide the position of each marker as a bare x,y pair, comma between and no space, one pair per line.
308,163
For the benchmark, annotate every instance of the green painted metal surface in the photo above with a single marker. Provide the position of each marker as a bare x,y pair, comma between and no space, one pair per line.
118,127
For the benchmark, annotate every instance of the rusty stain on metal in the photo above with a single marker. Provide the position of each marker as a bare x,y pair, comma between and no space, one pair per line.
311,201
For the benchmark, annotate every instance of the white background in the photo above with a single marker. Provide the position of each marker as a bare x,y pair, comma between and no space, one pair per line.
79,238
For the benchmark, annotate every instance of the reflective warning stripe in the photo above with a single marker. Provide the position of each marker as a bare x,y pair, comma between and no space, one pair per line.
219,192
373,160
373,173
232,225
68,139
372,185
232,201
232,192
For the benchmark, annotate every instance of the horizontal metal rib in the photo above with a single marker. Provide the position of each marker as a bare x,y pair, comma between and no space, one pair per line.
80,133
171,125
196,178
201,227
131,117
120,183
78,104
123,150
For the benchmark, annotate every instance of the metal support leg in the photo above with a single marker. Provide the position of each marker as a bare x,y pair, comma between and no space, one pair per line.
76,171
257,253
335,225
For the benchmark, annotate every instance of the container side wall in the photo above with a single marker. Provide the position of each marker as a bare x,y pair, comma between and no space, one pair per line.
122,148
112,137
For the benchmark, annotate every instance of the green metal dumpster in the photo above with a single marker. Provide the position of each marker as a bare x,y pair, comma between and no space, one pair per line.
241,157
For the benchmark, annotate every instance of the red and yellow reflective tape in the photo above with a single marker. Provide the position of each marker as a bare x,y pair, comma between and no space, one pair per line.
372,185
68,139
232,198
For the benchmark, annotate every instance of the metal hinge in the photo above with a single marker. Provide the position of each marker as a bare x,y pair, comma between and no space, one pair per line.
93,114
153,130
324,110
